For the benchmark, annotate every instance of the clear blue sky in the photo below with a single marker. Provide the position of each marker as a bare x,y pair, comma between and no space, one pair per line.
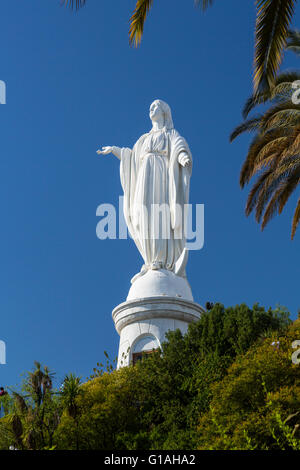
74,84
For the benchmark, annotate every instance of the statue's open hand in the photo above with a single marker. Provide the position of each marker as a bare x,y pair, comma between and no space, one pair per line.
105,150
184,159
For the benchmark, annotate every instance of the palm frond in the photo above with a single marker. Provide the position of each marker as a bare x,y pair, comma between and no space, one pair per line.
282,150
275,180
284,85
296,219
293,149
287,76
254,193
20,401
204,4
254,100
293,41
268,159
273,149
272,206
280,197
267,189
257,144
272,27
281,90
74,3
288,167
137,21
247,126
282,115
274,153
290,187
278,132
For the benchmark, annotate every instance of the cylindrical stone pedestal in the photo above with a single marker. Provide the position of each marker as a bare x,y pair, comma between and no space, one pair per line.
142,323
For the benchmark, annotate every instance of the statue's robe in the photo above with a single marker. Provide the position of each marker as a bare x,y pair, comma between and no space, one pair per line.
152,178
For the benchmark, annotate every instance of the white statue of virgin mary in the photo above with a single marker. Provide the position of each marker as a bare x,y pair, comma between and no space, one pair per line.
155,176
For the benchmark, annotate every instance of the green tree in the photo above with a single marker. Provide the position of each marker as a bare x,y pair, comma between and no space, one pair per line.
106,411
70,391
231,331
33,414
257,404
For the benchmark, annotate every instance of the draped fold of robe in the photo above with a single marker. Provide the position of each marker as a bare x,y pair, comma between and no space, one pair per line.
152,178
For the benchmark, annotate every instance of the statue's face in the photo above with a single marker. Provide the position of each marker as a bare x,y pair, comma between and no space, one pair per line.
156,112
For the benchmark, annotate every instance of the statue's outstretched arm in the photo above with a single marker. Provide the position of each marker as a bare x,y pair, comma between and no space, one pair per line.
114,150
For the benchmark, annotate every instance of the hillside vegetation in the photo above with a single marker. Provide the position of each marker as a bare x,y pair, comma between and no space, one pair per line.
229,383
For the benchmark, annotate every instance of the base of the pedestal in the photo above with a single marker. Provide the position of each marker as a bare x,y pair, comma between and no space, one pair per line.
143,323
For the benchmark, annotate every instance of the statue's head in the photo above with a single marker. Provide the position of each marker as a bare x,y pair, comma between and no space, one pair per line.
158,109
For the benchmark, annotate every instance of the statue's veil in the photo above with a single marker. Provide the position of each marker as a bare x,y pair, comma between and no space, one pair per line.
168,114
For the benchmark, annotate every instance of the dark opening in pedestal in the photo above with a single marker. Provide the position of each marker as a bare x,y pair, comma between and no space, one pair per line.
138,356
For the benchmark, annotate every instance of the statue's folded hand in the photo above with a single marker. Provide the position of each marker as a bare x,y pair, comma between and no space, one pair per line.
184,159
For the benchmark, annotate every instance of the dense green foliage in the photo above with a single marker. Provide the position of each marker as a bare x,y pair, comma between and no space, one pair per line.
222,385
257,404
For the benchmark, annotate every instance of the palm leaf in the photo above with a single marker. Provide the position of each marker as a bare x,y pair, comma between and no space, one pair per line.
272,207
272,27
293,183
273,148
204,4
256,146
263,188
254,100
280,197
137,21
268,159
284,114
255,191
296,219
247,126
283,150
284,84
21,403
275,180
282,90
293,41
74,3
293,149
265,192
288,166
